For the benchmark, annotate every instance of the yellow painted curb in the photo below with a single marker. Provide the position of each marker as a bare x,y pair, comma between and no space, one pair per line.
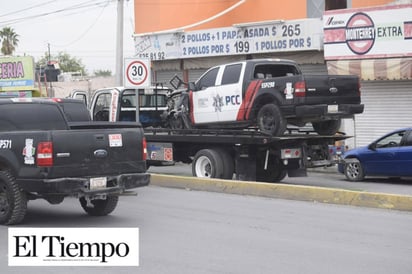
284,191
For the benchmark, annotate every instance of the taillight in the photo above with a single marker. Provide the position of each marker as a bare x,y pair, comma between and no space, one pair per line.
144,144
45,154
300,89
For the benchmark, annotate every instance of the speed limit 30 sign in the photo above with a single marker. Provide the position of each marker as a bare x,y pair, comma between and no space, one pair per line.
137,73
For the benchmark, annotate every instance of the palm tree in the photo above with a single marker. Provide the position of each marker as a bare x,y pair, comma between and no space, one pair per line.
9,40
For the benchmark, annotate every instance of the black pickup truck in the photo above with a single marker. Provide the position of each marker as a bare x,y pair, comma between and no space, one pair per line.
44,155
267,94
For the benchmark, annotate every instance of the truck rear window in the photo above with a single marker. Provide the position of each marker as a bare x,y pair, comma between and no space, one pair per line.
270,71
75,111
22,116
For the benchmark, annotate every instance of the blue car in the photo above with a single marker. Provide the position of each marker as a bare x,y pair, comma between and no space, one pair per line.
388,156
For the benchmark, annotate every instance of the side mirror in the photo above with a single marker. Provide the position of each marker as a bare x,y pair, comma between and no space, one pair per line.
191,86
372,146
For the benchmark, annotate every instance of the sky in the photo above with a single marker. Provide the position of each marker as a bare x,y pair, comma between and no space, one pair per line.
85,29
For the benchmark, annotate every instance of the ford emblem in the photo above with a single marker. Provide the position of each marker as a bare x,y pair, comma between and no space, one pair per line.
100,153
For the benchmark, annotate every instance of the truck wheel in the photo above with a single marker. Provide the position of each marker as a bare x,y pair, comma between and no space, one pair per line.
228,163
271,121
329,127
207,164
354,171
270,175
274,171
13,201
100,207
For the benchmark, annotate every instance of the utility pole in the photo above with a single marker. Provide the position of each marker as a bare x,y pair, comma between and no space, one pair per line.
51,94
119,43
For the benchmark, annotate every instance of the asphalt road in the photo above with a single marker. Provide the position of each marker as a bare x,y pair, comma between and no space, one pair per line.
184,231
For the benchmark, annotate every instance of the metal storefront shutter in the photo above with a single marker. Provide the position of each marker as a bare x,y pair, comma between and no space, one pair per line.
388,106
164,77
318,69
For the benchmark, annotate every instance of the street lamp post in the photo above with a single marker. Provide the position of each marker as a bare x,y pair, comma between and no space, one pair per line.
119,44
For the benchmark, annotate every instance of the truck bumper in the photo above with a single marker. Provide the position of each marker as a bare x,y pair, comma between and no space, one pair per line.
322,111
81,186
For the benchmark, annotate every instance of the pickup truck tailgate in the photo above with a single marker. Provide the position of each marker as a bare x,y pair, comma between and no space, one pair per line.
331,89
85,152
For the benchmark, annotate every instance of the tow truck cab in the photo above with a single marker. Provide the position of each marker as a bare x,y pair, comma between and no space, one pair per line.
119,104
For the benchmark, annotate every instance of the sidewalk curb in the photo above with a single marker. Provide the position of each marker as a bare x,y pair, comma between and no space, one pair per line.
290,192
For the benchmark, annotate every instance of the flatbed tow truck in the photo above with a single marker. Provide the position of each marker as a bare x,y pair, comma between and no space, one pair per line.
249,154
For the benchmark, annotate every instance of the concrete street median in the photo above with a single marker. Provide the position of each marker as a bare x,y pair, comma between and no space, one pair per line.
284,191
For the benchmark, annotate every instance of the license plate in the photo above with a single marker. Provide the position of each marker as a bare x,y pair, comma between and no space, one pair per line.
98,183
332,108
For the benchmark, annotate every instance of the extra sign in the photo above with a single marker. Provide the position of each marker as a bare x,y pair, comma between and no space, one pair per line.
137,73
377,32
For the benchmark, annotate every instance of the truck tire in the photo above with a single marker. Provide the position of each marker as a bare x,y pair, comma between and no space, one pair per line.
207,163
100,207
270,175
274,172
271,121
13,201
354,171
328,127
228,163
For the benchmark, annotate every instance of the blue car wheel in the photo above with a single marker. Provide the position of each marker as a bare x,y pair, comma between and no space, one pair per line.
353,171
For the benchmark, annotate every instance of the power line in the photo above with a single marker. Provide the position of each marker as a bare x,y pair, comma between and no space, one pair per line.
70,8
29,8
82,6
28,14
86,31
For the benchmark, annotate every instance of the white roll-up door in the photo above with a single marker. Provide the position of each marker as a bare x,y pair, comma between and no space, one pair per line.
388,106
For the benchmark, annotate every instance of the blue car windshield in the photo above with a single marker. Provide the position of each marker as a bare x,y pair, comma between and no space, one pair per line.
392,140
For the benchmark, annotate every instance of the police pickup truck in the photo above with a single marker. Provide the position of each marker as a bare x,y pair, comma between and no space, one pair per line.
44,155
266,94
